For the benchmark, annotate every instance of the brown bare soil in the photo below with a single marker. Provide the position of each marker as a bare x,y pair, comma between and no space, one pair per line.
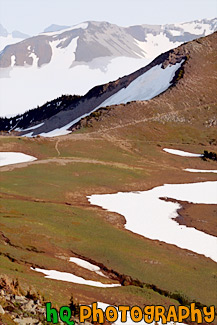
200,216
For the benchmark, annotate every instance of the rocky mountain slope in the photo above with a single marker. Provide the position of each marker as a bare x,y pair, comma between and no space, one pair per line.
18,306
74,60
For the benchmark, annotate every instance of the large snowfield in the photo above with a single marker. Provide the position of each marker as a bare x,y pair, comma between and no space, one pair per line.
10,158
147,214
145,87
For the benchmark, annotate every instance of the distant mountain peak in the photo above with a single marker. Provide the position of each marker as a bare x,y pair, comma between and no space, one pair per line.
55,28
3,31
14,34
18,34
7,38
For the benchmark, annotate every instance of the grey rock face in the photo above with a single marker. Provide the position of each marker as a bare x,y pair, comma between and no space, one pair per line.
29,305
26,321
22,51
2,310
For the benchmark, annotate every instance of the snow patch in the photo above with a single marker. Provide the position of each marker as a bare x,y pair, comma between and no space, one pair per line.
28,135
56,132
63,130
156,44
200,170
148,215
35,59
13,60
175,32
30,128
195,28
10,158
182,153
86,265
69,277
62,58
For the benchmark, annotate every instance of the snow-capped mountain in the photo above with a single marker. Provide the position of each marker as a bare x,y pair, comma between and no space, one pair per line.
56,117
73,60
10,38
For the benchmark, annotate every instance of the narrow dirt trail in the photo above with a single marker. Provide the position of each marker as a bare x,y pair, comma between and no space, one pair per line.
56,147
171,113
64,161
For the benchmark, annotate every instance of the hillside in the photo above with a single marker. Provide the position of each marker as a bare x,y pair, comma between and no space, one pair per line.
78,58
66,111
187,60
192,101
48,222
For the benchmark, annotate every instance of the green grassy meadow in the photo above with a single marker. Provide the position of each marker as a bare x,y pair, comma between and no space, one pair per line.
47,218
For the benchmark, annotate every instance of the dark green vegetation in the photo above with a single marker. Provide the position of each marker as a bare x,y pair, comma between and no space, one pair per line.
209,155
38,114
